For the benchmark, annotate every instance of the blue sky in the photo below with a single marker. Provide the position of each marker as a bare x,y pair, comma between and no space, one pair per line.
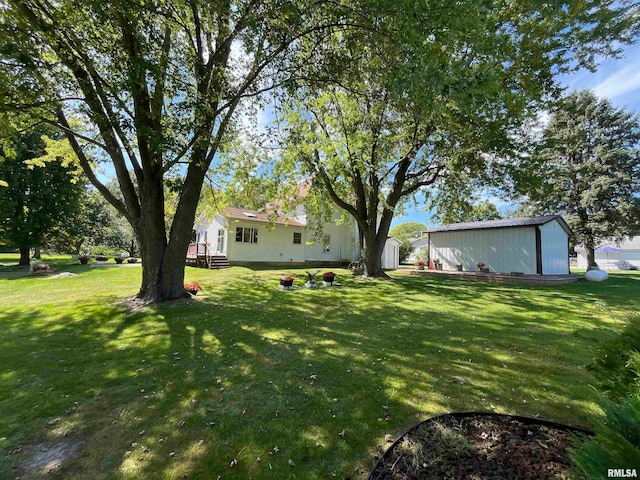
616,79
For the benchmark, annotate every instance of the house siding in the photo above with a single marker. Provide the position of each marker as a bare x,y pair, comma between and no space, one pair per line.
610,261
502,250
342,247
275,244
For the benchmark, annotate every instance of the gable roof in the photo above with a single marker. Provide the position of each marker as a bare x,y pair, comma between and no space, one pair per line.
503,223
244,214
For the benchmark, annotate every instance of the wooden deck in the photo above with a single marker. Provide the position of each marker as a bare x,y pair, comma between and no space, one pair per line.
509,278
199,255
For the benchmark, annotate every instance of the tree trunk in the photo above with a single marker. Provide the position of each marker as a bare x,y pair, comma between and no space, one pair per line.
374,242
163,261
152,239
77,246
37,253
24,256
591,258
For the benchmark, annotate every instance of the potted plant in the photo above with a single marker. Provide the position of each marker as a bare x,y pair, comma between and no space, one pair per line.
193,287
481,267
420,264
118,259
437,264
286,282
84,259
132,260
101,258
328,278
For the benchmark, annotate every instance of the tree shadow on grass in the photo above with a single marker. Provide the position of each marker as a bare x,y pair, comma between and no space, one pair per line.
250,377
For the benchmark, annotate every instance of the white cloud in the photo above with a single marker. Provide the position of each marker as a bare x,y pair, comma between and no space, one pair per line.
623,81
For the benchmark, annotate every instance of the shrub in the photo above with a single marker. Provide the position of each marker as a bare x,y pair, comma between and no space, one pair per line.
423,254
102,251
617,439
617,364
406,249
616,443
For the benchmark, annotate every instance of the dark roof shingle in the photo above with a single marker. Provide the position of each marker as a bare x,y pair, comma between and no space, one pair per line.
502,223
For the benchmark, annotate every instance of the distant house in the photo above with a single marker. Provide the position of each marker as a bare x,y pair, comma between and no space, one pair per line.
612,255
240,236
536,245
417,244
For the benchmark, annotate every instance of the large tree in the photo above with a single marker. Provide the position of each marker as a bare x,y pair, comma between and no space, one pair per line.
158,85
437,102
37,191
587,168
156,88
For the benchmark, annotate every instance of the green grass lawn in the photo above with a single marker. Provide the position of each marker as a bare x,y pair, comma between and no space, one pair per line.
247,377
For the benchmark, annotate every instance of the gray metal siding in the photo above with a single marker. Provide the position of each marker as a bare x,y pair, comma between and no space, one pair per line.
502,250
555,249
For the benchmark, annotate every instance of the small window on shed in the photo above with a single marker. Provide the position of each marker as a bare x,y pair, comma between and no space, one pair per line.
297,238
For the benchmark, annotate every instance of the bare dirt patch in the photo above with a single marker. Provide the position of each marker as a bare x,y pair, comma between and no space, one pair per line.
48,458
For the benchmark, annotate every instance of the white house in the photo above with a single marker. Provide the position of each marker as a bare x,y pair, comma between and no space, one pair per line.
613,255
537,245
240,236
244,236
417,244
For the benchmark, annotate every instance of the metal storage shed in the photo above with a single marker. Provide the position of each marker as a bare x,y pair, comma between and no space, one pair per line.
533,245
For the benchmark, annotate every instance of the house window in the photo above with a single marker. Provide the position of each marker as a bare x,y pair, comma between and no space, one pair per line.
297,238
327,243
246,235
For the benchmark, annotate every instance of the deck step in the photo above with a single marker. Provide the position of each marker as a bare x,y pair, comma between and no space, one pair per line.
217,262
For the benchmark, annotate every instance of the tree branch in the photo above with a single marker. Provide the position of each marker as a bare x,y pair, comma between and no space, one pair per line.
85,164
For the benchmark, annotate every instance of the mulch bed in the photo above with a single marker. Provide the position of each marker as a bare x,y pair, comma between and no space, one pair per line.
479,446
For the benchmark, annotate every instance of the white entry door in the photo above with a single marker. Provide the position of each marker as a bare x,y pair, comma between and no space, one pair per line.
220,243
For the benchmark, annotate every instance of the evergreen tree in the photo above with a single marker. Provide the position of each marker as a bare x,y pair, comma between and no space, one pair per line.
588,165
